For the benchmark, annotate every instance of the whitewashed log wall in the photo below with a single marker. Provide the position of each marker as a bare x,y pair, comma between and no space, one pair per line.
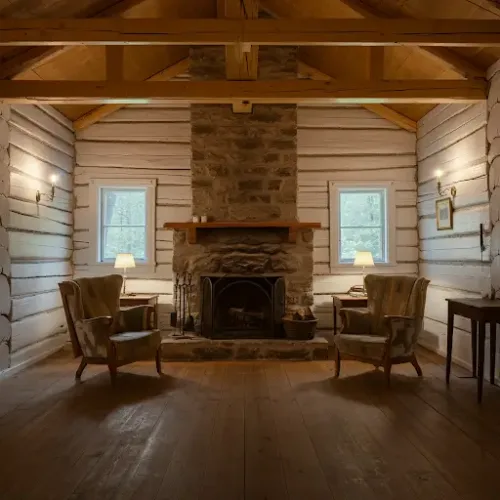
493,137
5,301
40,235
452,138
140,143
353,144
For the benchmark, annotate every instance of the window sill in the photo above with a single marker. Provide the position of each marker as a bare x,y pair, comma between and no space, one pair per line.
350,269
140,271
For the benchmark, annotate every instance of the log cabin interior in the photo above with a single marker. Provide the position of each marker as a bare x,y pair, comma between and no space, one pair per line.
241,156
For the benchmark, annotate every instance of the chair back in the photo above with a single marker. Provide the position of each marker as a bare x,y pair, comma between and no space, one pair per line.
85,298
395,296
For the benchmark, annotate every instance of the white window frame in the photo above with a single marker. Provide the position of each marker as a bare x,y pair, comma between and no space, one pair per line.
334,212
148,265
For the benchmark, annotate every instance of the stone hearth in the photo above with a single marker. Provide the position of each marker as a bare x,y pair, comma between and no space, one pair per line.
194,348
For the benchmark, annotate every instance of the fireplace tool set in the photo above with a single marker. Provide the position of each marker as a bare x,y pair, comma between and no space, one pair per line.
181,318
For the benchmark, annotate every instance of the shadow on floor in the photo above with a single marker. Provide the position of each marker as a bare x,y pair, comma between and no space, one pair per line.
96,397
362,387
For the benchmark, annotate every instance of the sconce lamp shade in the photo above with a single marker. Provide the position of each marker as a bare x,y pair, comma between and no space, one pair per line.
363,259
124,261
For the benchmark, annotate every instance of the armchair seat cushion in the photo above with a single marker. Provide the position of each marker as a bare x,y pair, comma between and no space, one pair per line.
361,346
135,346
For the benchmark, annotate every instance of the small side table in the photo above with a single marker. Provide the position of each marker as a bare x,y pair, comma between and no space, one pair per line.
142,300
479,311
345,300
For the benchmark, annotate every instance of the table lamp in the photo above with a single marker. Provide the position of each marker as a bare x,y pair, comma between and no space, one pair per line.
124,261
363,259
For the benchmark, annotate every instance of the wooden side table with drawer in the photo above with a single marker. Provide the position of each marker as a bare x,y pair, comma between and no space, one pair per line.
341,300
142,300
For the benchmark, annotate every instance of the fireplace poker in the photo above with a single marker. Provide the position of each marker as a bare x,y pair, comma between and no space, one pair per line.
189,325
173,315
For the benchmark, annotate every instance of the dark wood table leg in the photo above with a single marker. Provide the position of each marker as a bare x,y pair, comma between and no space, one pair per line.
473,330
493,350
449,343
480,361
334,318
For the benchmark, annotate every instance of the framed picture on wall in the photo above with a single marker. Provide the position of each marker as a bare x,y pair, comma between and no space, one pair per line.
444,214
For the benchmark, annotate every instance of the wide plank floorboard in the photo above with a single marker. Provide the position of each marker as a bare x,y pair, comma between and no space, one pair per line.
247,431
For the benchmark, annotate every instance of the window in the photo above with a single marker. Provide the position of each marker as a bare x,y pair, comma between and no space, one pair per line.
123,220
361,218
122,223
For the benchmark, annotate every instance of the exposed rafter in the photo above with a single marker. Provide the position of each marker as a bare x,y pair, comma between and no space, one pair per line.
460,64
18,62
285,91
102,111
342,32
379,109
182,66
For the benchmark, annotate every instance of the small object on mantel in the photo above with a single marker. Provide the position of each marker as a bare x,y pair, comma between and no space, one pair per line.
292,226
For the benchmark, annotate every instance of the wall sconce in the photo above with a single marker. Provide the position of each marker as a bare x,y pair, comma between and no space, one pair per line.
442,192
50,196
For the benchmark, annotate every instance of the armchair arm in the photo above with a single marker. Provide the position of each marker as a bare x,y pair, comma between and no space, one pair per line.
135,319
355,321
93,335
402,334
97,324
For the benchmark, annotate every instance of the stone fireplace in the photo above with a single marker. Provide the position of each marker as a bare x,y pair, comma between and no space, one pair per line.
242,306
244,168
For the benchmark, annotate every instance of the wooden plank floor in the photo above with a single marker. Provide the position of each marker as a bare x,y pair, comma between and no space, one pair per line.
247,430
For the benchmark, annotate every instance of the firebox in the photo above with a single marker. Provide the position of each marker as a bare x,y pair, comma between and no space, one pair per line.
242,307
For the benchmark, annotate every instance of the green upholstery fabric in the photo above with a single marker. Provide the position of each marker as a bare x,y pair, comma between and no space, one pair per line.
404,336
135,346
101,295
388,296
100,325
370,347
356,321
392,323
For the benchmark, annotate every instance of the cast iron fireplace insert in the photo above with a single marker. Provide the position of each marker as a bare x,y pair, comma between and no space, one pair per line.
242,307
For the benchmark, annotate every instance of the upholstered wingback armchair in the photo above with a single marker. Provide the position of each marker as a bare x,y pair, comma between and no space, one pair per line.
385,333
100,331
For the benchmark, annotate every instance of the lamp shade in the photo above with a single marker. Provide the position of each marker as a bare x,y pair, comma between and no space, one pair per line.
364,259
124,261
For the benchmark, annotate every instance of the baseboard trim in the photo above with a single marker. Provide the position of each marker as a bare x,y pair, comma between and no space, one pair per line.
456,361
32,354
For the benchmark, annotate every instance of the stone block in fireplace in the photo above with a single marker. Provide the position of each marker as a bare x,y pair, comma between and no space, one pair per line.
242,307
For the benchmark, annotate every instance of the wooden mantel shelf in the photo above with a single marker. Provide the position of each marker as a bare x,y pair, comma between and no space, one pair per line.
292,226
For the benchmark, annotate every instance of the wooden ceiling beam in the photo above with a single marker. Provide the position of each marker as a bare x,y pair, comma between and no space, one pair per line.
17,63
241,59
376,63
379,109
286,91
341,32
102,111
114,62
183,66
458,63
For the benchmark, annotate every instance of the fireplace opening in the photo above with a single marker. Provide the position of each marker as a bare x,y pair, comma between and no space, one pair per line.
242,307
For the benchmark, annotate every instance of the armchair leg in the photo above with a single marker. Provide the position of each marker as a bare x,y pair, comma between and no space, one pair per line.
83,364
112,371
337,362
158,361
415,364
112,362
387,371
